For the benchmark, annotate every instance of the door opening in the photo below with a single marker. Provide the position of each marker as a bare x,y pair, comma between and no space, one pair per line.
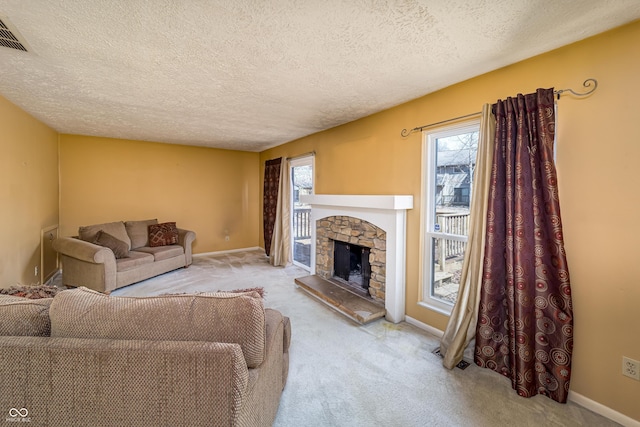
301,184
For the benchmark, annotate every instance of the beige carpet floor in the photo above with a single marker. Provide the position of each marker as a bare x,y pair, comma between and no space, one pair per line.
382,374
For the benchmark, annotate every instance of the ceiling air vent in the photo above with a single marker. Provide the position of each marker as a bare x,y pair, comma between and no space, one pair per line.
10,37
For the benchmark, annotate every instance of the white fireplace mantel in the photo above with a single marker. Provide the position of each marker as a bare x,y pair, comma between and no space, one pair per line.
385,211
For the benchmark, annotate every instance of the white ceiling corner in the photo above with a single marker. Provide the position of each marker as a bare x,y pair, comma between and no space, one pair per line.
249,75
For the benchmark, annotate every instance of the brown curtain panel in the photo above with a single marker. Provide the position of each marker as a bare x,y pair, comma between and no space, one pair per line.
270,199
525,319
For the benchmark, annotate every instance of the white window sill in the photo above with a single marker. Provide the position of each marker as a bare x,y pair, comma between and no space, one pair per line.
438,307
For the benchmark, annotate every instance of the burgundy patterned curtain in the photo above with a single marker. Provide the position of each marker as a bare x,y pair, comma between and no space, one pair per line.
270,199
525,320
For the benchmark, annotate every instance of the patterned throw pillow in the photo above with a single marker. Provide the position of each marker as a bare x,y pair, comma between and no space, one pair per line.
120,249
163,234
116,229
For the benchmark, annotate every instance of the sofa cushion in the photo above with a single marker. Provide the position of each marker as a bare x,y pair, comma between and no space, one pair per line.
218,317
24,317
163,252
120,249
138,232
116,229
135,260
163,234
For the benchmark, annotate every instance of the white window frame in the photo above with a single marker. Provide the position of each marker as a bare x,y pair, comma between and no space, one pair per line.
427,220
309,160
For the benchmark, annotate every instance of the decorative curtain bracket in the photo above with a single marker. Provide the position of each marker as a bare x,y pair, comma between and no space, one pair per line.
587,83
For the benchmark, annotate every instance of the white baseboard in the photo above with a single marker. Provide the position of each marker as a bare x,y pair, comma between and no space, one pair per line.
600,409
230,251
437,332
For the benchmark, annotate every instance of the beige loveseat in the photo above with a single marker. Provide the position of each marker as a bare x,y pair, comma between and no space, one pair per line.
85,263
84,358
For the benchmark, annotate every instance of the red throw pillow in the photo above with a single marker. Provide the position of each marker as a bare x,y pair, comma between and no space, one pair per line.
163,234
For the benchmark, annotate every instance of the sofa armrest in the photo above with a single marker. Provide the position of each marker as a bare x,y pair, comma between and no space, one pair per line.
72,381
185,239
86,264
82,250
264,392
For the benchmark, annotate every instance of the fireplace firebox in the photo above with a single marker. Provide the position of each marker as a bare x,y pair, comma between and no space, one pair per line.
351,264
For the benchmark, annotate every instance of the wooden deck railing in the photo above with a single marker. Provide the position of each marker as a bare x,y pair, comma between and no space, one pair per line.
453,224
301,223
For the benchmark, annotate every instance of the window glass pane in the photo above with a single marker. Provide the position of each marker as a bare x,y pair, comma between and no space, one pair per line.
447,266
455,164
302,180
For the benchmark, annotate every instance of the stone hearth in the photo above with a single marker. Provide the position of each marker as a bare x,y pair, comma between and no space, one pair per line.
351,305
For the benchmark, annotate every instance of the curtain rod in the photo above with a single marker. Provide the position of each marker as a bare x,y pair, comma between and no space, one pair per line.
587,83
310,153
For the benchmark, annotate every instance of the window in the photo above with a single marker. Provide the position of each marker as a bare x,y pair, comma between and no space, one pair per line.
461,196
301,184
449,160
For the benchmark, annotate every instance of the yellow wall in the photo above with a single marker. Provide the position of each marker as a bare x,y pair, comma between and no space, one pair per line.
203,189
597,156
28,192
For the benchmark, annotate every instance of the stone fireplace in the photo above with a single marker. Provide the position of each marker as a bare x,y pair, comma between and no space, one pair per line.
377,223
347,245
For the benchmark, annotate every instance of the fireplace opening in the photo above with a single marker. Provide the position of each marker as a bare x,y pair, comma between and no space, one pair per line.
351,264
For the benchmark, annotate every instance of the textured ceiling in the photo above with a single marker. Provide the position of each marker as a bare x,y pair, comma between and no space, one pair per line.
250,74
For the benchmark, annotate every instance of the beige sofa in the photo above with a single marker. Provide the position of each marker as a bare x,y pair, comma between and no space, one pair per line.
85,263
86,358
